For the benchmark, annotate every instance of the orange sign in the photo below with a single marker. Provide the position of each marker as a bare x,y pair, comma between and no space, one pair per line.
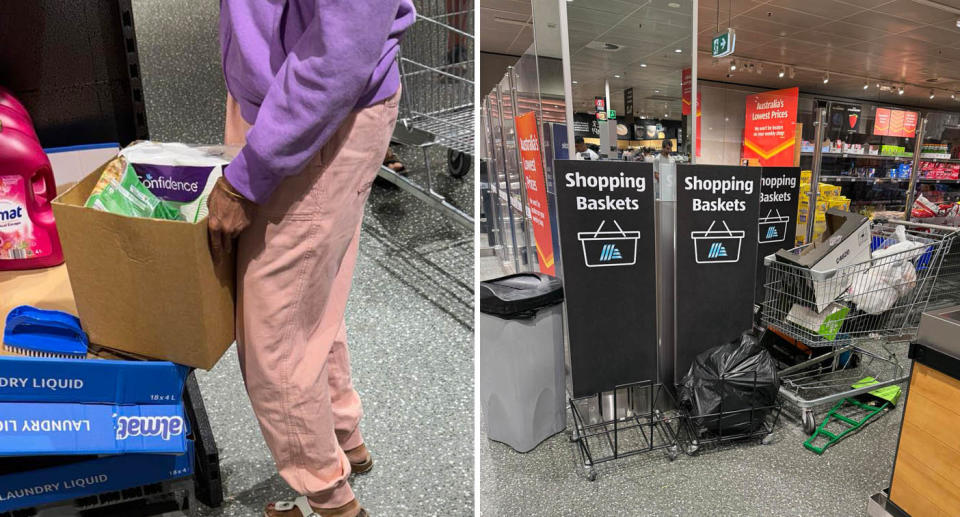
770,128
529,143
686,86
890,122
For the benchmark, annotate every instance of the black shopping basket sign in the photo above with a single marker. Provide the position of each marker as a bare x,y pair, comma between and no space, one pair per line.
610,248
772,228
717,246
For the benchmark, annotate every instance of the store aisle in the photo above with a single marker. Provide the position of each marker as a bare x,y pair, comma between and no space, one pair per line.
411,342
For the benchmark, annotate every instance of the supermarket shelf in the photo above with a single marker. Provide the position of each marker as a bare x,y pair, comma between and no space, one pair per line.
864,156
853,179
883,157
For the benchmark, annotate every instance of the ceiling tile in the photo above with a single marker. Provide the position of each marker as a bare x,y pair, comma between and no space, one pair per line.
827,39
826,8
853,30
910,10
939,37
882,22
794,19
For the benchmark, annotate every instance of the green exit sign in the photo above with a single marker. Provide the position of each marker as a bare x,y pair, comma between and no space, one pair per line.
611,114
723,43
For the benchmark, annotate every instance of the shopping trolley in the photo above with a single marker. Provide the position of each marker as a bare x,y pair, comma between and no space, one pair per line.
436,67
861,343
436,71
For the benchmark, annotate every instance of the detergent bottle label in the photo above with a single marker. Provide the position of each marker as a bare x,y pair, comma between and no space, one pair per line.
17,239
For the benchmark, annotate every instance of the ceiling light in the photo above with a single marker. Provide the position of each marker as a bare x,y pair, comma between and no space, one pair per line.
878,85
666,115
643,65
616,76
678,50
866,85
673,5
932,94
782,72
900,90
656,91
958,23
826,77
733,64
953,96
575,82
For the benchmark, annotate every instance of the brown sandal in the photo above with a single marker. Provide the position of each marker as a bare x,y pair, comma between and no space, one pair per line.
361,467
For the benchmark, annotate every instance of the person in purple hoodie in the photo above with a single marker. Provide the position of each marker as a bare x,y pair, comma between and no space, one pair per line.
313,93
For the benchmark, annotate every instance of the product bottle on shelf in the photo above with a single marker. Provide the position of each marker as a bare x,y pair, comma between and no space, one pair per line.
28,233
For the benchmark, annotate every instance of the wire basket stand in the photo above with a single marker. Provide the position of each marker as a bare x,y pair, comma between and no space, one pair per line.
757,421
436,67
861,342
631,419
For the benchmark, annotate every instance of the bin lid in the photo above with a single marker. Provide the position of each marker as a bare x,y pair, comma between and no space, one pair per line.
519,295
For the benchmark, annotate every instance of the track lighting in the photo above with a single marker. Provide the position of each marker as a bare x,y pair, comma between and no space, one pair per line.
826,77
900,90
866,85
733,65
932,94
782,72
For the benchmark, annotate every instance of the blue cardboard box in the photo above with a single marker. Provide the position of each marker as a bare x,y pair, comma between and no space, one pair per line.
29,379
31,429
91,477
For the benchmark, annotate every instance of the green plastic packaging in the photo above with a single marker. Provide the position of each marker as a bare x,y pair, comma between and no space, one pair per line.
128,196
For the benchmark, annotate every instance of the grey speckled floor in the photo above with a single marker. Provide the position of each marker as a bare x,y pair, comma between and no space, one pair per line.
409,318
746,479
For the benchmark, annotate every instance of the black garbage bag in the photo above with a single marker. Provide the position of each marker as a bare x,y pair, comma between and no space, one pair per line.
730,388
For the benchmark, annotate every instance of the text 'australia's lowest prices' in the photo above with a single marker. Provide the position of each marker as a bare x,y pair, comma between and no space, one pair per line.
716,189
607,184
777,183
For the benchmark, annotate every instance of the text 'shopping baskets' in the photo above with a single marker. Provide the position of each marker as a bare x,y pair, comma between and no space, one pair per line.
772,228
717,246
610,248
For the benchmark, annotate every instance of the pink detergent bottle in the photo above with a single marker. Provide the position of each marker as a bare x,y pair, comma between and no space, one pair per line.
17,121
9,101
28,233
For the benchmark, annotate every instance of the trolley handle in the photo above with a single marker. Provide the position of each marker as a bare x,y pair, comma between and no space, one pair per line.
884,220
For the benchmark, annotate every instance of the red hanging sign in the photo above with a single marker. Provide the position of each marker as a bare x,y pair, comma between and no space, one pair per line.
529,143
770,128
890,122
686,85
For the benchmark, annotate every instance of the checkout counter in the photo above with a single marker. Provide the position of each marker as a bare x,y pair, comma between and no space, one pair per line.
926,472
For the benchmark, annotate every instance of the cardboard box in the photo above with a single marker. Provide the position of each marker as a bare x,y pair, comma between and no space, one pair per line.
36,429
93,381
47,288
42,486
146,286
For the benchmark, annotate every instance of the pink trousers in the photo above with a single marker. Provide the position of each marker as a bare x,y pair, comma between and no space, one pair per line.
294,269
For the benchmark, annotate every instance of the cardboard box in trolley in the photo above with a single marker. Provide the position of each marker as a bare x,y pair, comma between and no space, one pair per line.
146,286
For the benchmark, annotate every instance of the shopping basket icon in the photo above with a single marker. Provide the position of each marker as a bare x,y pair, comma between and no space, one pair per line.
717,246
772,228
611,248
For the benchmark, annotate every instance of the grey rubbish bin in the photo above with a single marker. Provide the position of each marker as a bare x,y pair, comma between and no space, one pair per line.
521,359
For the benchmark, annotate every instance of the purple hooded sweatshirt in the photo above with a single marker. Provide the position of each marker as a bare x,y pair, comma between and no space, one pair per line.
298,68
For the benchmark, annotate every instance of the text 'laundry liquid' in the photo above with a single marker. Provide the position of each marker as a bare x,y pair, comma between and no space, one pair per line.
28,233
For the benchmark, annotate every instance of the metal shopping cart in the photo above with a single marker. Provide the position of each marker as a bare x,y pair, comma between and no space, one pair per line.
879,305
436,69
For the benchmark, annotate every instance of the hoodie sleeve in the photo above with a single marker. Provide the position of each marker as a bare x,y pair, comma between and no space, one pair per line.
315,89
